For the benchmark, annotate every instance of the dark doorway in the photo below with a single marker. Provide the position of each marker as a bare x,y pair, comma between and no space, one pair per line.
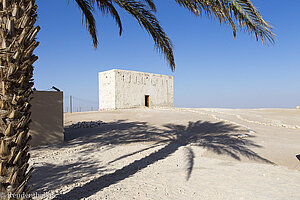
147,101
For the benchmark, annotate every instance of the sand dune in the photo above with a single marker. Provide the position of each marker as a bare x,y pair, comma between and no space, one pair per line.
176,153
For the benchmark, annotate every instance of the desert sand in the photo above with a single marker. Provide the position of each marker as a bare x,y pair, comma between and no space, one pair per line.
178,153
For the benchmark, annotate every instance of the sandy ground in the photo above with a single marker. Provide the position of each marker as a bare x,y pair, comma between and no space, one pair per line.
174,154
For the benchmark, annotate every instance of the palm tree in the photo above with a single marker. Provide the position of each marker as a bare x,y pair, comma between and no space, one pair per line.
18,41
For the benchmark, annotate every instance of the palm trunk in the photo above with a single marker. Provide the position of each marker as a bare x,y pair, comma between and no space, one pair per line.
17,43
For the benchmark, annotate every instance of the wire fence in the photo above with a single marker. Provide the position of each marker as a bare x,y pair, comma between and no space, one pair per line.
77,104
80,109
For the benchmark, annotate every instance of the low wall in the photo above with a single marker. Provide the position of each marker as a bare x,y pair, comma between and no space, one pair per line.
46,126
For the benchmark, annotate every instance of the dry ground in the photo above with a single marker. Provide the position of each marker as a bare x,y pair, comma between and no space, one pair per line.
174,154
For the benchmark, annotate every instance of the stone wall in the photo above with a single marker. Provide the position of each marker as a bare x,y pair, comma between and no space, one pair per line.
46,126
107,90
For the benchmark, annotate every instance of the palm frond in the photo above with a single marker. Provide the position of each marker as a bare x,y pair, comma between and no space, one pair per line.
87,9
151,4
147,20
217,9
231,12
191,5
250,19
107,8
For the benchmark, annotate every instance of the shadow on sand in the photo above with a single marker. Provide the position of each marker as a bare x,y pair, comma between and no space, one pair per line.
219,137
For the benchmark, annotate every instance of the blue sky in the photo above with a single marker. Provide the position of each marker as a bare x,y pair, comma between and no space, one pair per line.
212,69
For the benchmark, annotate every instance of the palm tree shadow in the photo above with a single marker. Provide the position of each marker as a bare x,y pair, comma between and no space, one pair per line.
219,137
190,162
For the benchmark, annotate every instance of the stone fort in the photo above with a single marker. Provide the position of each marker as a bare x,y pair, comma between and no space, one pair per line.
131,89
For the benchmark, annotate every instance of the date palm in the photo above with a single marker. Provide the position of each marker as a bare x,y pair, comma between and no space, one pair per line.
18,41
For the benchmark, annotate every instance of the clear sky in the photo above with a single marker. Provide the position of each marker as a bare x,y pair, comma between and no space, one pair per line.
212,69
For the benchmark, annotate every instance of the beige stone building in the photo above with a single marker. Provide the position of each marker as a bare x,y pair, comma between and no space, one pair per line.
130,89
